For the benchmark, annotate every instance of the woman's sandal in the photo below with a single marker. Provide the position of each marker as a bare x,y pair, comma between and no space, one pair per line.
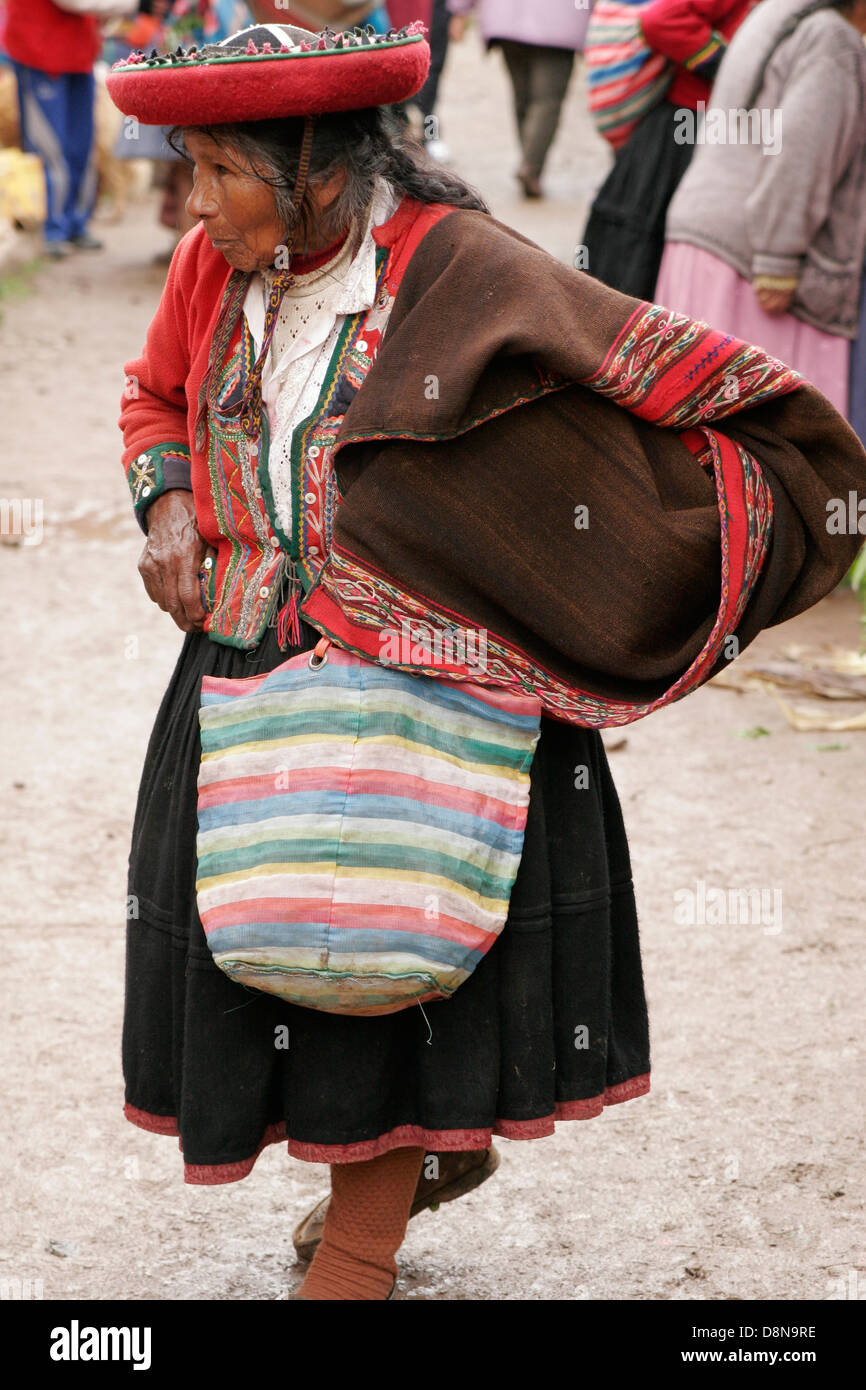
458,1173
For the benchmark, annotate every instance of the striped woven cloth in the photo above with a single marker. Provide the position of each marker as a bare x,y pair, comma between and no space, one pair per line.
625,78
360,829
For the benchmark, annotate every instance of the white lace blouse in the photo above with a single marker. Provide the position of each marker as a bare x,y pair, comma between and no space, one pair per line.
310,320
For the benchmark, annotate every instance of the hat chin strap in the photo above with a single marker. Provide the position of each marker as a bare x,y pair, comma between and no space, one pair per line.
249,408
251,405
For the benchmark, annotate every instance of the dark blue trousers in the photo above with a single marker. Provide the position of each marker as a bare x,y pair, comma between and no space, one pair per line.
57,124
857,382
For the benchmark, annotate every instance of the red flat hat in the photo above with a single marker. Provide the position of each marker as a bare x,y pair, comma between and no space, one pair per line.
272,70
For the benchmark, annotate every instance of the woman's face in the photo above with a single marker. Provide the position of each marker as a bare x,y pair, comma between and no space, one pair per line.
237,209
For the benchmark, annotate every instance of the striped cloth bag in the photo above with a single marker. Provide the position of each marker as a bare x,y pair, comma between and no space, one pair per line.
625,78
360,828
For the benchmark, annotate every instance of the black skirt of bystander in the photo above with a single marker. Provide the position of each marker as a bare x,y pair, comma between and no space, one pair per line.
625,236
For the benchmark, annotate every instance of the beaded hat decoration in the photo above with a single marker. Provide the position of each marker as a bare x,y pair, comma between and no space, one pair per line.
272,70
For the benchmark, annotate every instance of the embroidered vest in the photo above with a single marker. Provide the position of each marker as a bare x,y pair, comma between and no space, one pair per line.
266,571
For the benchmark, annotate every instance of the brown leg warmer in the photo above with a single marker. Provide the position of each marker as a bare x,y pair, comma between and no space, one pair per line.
364,1228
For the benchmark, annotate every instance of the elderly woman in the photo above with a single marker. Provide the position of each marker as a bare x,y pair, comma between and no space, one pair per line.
367,416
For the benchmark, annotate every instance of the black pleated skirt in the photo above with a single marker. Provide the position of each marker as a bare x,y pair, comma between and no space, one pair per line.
625,234
552,1025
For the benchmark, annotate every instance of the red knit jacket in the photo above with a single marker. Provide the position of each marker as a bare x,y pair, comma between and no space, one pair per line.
234,511
41,35
694,34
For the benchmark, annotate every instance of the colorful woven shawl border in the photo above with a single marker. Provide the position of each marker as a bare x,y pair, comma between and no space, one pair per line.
677,372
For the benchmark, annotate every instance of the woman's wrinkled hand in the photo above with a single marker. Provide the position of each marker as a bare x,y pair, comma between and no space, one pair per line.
172,558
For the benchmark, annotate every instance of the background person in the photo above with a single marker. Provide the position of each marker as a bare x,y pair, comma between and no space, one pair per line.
174,22
437,18
538,43
770,247
53,47
314,14
624,235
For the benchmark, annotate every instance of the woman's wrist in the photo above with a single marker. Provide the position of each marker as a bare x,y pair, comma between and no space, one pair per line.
783,283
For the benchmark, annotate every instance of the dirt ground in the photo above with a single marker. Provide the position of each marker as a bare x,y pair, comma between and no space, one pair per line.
739,1177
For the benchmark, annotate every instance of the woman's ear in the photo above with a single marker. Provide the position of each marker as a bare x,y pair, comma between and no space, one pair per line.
325,194
319,225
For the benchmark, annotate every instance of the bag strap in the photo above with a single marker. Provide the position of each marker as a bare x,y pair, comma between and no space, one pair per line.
319,654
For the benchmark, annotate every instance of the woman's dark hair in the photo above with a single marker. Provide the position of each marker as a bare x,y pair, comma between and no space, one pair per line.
368,144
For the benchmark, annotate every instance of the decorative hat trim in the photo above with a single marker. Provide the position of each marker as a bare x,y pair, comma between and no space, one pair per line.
328,41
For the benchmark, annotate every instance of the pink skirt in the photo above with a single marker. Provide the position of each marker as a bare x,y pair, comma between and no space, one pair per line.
699,284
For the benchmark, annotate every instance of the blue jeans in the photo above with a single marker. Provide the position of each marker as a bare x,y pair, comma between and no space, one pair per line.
57,124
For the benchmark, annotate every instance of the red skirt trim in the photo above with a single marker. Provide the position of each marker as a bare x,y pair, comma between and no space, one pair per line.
405,1136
